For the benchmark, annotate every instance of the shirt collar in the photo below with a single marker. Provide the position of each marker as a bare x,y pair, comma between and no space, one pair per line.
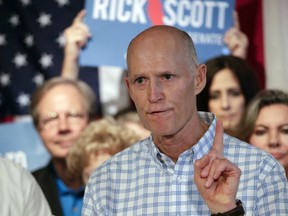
62,187
205,144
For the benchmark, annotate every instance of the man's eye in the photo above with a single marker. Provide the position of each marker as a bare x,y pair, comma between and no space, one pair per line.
75,115
167,76
139,80
49,120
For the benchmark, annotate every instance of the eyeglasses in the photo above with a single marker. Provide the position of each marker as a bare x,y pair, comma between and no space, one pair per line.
53,119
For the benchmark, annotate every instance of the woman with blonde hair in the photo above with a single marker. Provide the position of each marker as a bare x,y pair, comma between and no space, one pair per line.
99,141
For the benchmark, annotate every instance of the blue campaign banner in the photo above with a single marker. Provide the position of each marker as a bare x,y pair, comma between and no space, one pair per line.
20,142
113,23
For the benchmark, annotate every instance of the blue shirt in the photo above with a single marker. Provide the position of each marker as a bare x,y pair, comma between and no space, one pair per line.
71,200
142,181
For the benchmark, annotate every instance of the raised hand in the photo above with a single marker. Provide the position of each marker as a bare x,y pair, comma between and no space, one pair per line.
76,37
236,40
77,34
217,179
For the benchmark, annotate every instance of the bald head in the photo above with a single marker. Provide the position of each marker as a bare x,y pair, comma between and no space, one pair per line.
161,40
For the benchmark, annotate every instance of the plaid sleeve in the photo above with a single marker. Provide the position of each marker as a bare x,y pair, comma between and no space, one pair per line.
272,191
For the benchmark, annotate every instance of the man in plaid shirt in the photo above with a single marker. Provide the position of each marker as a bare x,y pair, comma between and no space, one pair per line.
187,166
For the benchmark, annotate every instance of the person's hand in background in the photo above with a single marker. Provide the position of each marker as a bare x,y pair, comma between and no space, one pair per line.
236,40
76,37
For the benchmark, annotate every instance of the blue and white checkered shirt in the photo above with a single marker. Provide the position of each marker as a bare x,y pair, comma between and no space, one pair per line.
142,181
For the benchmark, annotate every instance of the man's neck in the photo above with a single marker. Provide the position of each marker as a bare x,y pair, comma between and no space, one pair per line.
61,169
174,145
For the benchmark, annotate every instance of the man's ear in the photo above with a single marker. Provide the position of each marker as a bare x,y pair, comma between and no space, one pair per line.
127,82
126,79
199,78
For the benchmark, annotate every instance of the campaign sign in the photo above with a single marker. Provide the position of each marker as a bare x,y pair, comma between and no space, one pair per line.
21,143
113,23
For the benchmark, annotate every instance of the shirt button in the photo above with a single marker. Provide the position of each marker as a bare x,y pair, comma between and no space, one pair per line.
179,180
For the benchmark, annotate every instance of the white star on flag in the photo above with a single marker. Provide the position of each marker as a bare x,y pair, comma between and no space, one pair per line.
4,79
44,20
29,40
3,40
46,60
25,2
61,40
23,99
38,79
14,20
20,60
62,3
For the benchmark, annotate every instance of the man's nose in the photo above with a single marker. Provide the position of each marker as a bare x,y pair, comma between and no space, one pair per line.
63,123
154,91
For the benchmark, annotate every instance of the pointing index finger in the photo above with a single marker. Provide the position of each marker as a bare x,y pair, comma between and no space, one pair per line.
218,145
80,16
236,20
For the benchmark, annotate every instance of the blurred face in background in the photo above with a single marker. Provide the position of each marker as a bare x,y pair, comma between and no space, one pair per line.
226,99
95,160
62,117
271,132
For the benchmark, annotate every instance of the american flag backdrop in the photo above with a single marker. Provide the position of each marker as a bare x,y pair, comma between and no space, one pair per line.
31,50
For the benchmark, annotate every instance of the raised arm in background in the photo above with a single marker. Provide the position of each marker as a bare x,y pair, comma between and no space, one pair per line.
76,37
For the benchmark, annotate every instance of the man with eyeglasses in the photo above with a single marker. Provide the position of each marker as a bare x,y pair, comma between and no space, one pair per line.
61,109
